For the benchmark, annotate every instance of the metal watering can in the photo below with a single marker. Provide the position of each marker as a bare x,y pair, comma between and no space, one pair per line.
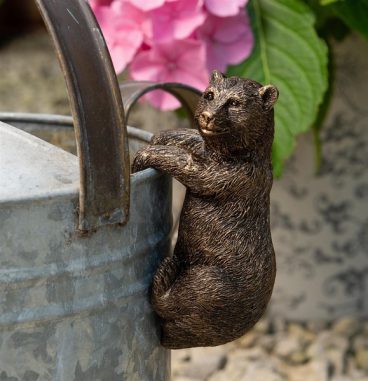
81,239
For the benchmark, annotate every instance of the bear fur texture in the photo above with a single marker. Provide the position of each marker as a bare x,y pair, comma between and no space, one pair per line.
218,282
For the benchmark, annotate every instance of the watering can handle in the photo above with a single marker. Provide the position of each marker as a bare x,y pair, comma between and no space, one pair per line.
97,110
98,113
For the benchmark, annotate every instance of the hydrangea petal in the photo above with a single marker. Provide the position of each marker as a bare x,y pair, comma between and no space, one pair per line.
168,62
177,19
121,24
224,8
147,5
228,40
220,56
100,3
185,26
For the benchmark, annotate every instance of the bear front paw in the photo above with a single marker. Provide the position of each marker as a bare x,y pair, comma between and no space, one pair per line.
140,161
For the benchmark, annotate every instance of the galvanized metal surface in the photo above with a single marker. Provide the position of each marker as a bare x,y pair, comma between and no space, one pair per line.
30,167
75,307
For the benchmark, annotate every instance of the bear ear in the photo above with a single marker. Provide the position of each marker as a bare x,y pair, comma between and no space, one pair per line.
269,95
216,77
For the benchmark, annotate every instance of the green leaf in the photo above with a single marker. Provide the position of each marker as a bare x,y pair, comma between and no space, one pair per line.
327,2
288,54
354,13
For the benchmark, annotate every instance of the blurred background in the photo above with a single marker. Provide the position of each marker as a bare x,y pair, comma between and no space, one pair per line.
316,327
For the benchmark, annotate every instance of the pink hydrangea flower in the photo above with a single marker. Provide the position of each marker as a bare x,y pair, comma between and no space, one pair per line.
175,61
177,19
224,8
147,5
124,28
100,3
174,40
229,40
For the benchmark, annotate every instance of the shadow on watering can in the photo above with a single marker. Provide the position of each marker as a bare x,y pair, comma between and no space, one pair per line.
75,307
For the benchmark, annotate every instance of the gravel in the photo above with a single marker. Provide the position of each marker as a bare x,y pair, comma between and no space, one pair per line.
282,352
279,351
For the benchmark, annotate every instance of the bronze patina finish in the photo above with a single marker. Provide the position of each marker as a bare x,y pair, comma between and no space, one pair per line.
220,278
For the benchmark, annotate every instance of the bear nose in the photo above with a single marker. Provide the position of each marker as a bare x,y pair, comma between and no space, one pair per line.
206,116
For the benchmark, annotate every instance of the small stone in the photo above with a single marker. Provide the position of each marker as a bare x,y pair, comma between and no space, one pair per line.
233,371
249,364
226,375
332,348
360,342
303,334
286,345
180,355
203,362
238,362
325,341
278,325
248,354
317,370
262,372
179,360
298,358
316,326
263,326
346,327
337,359
361,358
248,340
351,368
267,342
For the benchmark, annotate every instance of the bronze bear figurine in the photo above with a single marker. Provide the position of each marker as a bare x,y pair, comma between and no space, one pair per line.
218,282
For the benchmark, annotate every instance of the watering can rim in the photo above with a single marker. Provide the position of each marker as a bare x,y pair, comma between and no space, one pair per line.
70,190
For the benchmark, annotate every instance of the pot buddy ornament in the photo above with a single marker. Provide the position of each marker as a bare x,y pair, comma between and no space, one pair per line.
218,282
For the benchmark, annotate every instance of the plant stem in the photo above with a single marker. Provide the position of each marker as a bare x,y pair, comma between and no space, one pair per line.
323,108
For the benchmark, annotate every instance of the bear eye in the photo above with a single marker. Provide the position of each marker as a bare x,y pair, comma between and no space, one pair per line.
209,96
234,103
